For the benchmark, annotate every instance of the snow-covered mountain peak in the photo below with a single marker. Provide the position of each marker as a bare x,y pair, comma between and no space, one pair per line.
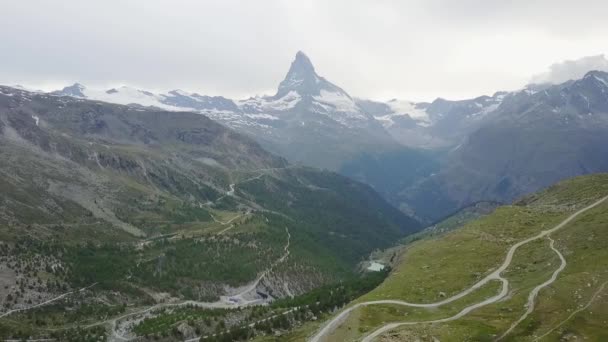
301,78
263,104
75,90
304,80
597,76
179,92
410,108
304,91
124,95
127,95
302,64
301,95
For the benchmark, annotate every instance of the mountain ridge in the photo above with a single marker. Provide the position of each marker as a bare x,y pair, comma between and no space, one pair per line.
139,206
438,140
534,139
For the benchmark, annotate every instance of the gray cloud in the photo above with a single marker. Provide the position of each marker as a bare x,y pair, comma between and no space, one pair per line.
571,70
416,49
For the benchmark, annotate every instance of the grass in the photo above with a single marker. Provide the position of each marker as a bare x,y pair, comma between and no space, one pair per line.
571,193
369,318
452,262
442,265
582,244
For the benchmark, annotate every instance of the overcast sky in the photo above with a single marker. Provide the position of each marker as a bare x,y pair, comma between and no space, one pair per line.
416,49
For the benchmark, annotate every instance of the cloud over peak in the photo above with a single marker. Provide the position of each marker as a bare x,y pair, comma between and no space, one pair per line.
571,70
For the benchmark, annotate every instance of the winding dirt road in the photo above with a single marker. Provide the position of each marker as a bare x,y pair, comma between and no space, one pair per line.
496,275
10,312
534,293
240,297
223,223
235,301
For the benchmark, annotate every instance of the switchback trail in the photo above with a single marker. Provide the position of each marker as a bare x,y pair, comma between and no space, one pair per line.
496,275
532,296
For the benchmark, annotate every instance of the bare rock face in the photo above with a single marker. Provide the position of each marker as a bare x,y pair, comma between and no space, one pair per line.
290,284
185,330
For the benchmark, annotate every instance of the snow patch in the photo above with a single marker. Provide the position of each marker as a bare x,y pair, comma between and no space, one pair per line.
181,92
409,108
386,119
127,95
265,104
288,101
485,111
404,108
601,80
338,100
262,116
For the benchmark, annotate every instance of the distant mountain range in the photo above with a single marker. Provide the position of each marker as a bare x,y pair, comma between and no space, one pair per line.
309,119
312,121
535,138
427,158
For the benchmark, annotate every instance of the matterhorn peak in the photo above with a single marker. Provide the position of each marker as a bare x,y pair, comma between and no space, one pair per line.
302,65
300,78
303,79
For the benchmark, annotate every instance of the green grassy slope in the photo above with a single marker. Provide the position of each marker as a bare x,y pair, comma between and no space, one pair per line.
574,307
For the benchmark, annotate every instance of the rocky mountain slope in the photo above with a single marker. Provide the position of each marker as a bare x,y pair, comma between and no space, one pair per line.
309,120
307,104
439,124
147,206
429,159
533,139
